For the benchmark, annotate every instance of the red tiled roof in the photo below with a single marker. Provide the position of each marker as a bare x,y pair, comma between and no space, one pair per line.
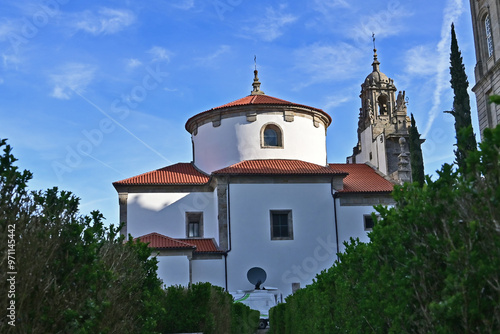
359,177
159,241
259,100
181,173
262,99
362,178
278,166
203,245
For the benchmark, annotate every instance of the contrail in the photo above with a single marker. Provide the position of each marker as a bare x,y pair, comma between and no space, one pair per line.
452,11
123,127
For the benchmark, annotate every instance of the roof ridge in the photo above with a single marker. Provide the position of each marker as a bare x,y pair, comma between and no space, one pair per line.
372,166
179,173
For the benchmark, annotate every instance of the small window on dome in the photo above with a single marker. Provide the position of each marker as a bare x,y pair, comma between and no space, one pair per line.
271,136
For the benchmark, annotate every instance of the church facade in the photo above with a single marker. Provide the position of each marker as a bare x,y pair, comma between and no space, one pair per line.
260,192
486,29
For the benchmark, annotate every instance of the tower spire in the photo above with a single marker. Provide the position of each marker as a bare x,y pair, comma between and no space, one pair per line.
256,83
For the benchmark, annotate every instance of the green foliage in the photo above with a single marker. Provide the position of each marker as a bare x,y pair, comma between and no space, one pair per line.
431,265
466,140
74,275
205,308
495,99
244,320
416,157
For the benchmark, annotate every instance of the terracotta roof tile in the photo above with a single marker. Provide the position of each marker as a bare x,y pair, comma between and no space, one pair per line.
259,100
362,178
278,167
359,177
180,173
203,245
160,241
262,99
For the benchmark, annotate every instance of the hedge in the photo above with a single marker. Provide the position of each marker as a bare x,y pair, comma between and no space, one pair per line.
205,308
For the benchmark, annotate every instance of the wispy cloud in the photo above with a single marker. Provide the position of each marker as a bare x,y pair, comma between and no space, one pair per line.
327,62
11,60
327,6
106,21
453,9
70,78
272,24
213,56
133,63
183,4
386,22
160,54
420,60
7,28
335,101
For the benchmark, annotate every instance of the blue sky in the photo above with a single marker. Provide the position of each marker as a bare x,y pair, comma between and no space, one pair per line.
95,92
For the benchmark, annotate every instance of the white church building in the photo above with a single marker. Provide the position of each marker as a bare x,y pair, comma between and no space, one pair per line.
261,193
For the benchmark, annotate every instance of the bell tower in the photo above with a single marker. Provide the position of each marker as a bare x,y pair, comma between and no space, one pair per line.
382,122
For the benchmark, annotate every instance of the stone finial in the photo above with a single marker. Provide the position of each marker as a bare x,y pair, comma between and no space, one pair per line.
404,171
375,63
256,85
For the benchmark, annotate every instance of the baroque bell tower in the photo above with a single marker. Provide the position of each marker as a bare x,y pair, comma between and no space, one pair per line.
383,120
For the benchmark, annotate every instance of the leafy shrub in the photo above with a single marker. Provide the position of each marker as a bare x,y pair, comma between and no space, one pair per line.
431,265
73,274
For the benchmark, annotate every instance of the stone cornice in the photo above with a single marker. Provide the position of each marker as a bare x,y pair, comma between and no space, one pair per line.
487,75
253,111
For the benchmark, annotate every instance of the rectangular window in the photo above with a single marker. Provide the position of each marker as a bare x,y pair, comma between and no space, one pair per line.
194,224
281,225
489,37
193,230
368,220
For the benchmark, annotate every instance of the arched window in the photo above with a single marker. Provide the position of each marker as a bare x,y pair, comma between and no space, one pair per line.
271,136
489,36
382,105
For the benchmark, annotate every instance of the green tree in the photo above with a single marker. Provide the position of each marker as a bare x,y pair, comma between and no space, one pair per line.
431,265
416,157
73,274
466,140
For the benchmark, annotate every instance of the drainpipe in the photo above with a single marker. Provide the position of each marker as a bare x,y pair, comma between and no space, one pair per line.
229,232
335,196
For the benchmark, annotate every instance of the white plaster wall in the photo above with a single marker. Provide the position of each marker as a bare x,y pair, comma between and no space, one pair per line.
366,147
377,149
285,261
381,153
351,223
173,270
165,213
209,271
236,140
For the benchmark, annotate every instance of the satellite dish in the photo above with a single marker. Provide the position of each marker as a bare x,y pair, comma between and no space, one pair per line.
256,276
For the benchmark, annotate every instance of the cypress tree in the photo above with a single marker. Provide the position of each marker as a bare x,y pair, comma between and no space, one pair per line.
416,158
466,140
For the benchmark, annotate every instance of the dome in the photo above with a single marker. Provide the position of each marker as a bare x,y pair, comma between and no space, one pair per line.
258,126
376,77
